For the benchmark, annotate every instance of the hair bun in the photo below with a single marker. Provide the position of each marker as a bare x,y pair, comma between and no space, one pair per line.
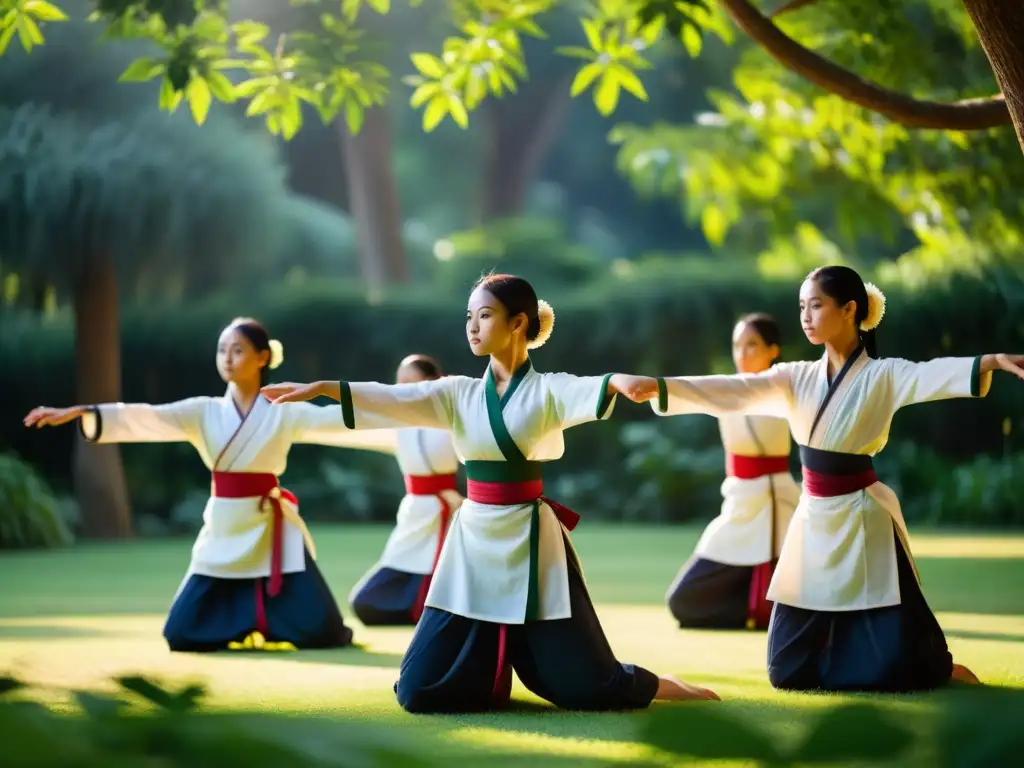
276,354
876,307
546,321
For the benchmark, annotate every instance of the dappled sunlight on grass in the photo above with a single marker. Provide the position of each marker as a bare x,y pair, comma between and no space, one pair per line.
62,628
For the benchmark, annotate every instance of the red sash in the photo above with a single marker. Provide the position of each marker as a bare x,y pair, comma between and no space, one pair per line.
824,486
519,493
753,467
525,492
759,607
244,485
431,485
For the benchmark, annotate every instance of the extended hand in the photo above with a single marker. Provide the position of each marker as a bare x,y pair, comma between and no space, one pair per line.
1011,364
289,392
51,417
639,389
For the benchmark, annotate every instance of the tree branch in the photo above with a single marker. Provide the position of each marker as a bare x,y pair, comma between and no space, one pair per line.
790,6
964,115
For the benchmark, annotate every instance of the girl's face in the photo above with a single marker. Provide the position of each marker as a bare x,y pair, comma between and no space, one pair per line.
488,326
821,317
749,351
237,359
410,374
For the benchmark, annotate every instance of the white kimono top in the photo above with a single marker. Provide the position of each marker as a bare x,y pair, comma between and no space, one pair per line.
235,540
486,570
839,553
413,544
756,512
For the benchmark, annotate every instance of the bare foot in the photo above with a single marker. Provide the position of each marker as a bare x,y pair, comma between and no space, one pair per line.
962,674
674,689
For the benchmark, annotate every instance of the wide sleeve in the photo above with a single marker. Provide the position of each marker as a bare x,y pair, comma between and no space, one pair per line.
940,379
370,405
763,394
177,422
579,399
324,425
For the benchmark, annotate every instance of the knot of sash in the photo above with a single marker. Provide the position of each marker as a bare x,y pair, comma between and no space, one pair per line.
263,486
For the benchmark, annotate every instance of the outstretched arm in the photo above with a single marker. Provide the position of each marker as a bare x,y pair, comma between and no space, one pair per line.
126,422
948,377
762,394
325,426
369,405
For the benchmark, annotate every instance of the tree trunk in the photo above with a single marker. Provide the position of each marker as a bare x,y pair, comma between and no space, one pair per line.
373,200
522,130
1000,26
98,472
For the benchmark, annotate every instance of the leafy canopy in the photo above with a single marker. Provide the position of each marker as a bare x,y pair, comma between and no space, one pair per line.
324,59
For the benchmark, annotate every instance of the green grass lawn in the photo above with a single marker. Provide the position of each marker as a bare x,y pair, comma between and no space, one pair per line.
74,619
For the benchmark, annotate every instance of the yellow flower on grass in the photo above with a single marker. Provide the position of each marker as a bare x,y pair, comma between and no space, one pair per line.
257,642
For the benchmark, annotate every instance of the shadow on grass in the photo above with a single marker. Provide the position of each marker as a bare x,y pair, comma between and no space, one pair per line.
351,656
49,632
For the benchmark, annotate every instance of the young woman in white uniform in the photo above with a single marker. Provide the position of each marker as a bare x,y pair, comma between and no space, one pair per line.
253,579
725,584
849,613
508,592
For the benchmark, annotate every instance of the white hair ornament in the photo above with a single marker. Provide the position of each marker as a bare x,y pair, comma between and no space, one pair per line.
876,307
546,320
276,354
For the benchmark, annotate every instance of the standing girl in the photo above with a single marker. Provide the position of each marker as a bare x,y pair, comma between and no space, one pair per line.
849,613
725,584
252,577
508,592
393,592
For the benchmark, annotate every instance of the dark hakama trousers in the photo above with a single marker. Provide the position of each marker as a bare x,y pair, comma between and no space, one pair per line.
451,663
711,595
894,649
390,598
210,612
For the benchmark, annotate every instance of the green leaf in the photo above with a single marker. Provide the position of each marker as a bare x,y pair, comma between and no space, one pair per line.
354,115
458,110
435,112
261,102
692,40
28,32
9,684
430,66
198,95
585,77
142,70
169,98
423,94
380,6
44,11
221,88
630,81
291,118
606,95
593,33
713,224
576,52
7,34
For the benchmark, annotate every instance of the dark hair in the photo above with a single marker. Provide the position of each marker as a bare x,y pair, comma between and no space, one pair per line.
425,364
765,325
517,296
254,332
843,285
